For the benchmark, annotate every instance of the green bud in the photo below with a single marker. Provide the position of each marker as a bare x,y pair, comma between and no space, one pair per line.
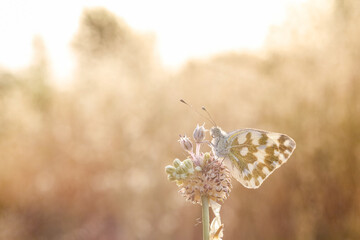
171,178
206,158
198,168
183,176
170,169
182,168
188,163
177,163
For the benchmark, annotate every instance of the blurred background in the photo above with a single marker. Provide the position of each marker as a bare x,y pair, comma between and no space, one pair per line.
84,140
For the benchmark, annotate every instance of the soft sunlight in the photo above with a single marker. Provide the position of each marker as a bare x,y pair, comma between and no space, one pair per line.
97,143
183,29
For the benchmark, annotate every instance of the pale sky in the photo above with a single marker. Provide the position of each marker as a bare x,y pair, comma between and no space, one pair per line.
183,29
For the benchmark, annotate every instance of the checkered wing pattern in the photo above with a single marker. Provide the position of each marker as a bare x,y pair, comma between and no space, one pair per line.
255,154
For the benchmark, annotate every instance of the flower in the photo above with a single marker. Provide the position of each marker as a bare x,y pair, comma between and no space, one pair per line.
202,175
212,179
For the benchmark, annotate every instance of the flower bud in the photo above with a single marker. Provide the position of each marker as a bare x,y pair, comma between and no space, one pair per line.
206,158
170,169
181,169
177,163
171,178
199,133
183,176
186,143
188,163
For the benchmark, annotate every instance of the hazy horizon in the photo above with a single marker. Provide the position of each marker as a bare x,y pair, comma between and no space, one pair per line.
176,40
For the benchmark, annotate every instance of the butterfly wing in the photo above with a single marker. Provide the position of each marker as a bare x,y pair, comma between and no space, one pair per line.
255,154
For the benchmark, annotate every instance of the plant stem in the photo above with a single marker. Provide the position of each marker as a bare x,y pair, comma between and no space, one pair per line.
205,217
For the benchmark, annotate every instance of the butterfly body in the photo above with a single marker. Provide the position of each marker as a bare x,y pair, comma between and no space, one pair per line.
219,142
250,154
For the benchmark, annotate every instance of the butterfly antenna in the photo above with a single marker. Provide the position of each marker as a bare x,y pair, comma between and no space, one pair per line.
183,101
209,119
212,120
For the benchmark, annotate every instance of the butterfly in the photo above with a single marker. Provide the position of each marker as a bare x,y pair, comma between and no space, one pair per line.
250,154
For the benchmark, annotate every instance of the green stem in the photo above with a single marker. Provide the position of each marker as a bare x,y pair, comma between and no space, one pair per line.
205,217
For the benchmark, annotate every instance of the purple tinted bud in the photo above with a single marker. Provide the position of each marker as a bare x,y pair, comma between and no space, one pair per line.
186,143
199,133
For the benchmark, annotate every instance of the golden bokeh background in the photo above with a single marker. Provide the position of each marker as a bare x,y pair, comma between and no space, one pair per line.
87,161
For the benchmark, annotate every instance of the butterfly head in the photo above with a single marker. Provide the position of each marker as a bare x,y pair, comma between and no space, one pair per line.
216,132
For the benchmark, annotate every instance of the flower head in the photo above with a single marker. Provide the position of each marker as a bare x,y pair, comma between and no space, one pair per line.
212,179
202,175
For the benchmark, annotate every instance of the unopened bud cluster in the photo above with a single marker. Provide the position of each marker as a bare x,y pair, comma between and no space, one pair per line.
179,170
